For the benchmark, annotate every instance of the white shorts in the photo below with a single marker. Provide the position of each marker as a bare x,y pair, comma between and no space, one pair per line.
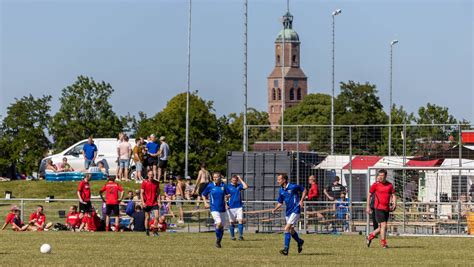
219,217
292,219
235,215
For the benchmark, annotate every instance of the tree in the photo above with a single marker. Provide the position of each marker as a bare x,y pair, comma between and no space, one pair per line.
23,136
358,104
399,116
314,109
203,132
431,139
85,110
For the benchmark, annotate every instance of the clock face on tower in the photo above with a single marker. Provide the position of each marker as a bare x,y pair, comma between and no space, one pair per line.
287,84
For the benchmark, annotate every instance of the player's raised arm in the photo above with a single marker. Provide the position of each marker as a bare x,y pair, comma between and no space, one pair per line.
244,184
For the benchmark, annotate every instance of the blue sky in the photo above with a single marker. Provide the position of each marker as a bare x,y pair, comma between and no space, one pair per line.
140,48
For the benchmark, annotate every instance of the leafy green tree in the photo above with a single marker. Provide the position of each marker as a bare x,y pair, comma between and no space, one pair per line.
203,132
358,104
23,135
314,109
85,110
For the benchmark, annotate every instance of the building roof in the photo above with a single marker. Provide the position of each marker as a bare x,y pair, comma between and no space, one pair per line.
363,162
290,72
287,33
333,162
304,146
424,163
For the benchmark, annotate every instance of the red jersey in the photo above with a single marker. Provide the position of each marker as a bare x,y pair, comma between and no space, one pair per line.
40,218
161,226
84,190
10,218
150,190
383,192
112,190
73,219
313,192
92,222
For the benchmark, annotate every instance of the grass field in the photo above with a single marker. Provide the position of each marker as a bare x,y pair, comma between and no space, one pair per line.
198,249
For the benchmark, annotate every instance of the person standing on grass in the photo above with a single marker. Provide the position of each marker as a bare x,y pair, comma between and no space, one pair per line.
138,159
217,192
385,201
290,194
89,151
84,195
163,153
119,141
152,151
114,195
180,188
235,210
201,183
124,150
333,191
150,196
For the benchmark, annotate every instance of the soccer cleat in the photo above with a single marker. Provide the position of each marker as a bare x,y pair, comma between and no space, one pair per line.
155,234
300,246
368,240
241,238
284,252
147,232
233,238
383,243
218,244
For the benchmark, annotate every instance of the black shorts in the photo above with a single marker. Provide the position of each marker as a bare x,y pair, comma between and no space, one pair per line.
162,164
381,215
152,161
112,209
201,188
150,208
85,207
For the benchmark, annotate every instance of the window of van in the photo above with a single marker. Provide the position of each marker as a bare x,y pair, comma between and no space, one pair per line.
77,149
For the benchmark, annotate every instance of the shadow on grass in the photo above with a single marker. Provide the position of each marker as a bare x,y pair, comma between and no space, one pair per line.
316,254
395,247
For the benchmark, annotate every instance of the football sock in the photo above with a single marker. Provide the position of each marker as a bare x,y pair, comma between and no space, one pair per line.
287,240
241,229
296,237
217,233
232,230
221,233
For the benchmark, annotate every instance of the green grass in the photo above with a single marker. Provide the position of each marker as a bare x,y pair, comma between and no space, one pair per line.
198,249
65,190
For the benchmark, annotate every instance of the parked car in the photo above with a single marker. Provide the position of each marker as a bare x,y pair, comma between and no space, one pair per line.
107,152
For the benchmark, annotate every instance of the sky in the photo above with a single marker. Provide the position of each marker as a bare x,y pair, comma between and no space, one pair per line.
140,48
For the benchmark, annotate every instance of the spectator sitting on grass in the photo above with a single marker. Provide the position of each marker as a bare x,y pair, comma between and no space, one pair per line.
10,216
162,225
136,198
93,168
189,191
170,190
102,168
73,219
137,220
90,222
17,224
37,220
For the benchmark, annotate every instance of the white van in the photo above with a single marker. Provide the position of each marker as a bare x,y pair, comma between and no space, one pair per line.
106,152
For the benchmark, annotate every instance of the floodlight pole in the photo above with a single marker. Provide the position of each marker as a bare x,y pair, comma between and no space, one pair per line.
186,165
245,139
390,105
334,14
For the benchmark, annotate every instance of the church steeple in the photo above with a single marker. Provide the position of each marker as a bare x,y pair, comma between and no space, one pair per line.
295,80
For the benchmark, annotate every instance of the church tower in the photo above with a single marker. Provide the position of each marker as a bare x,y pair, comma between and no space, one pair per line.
293,77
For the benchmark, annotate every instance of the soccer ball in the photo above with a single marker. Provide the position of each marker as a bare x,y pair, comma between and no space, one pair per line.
45,248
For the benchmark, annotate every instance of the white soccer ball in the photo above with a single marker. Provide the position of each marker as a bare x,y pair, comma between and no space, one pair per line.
45,248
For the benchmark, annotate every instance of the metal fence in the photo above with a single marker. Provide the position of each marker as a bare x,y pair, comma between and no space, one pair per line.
317,216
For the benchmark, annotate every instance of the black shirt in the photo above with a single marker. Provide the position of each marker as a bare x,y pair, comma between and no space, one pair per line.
335,190
138,221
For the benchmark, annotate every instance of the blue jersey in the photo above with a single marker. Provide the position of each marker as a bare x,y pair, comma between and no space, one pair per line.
235,200
89,150
152,147
291,196
217,195
342,207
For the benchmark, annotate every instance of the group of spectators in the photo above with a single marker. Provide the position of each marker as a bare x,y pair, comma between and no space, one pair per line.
36,221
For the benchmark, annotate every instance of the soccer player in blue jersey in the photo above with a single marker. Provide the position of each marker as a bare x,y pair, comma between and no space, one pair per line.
217,192
235,206
290,194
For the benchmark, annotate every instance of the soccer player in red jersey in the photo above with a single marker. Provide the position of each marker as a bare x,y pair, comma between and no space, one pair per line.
73,219
10,216
37,220
150,196
113,196
84,195
385,201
